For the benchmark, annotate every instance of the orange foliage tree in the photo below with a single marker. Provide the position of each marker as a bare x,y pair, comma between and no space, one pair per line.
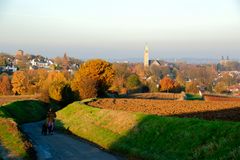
169,85
166,84
88,88
95,70
5,85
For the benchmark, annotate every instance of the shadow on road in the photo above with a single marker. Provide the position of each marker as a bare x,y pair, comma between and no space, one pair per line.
62,146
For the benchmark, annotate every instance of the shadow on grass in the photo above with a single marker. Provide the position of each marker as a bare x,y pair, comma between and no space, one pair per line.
25,111
166,138
59,127
232,114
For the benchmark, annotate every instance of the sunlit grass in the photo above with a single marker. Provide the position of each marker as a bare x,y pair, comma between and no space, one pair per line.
11,139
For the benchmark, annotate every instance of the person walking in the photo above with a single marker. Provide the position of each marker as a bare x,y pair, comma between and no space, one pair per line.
51,115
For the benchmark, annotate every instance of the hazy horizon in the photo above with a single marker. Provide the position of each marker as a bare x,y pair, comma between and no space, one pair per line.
120,29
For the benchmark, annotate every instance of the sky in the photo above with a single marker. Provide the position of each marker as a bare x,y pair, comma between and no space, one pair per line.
119,29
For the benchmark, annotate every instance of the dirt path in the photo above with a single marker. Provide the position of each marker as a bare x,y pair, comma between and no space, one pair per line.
61,147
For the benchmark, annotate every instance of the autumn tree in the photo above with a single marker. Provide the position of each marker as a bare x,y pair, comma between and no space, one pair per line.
121,73
60,91
55,76
42,75
19,82
166,84
133,81
152,84
220,87
156,71
55,90
180,78
2,60
98,70
192,87
139,70
5,85
47,79
32,81
228,79
5,59
88,88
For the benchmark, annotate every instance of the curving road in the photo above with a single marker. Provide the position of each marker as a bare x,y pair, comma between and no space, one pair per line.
61,146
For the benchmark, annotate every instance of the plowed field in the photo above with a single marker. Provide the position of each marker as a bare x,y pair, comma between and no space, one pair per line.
200,109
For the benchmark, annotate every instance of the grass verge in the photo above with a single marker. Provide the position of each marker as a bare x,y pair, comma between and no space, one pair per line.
12,114
193,97
152,137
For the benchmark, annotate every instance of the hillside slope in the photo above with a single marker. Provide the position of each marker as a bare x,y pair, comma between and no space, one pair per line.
152,137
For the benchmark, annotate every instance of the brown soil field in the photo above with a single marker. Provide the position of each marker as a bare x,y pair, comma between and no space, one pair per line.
213,110
162,96
8,99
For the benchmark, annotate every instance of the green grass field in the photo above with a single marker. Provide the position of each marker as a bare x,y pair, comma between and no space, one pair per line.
16,113
152,137
193,97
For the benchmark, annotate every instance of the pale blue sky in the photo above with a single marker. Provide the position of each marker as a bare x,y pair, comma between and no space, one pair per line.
120,28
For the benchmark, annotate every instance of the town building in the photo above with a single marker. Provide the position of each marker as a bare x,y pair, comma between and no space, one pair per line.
153,62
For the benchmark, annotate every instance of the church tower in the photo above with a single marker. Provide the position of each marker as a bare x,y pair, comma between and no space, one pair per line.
146,56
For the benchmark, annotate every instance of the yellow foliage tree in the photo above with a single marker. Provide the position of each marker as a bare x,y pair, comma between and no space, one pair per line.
42,75
46,81
192,87
98,70
19,82
51,77
56,89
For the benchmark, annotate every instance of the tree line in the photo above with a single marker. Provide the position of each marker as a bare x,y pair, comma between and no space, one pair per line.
92,80
95,77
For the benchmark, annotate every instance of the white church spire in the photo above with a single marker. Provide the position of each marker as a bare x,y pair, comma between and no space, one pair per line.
146,56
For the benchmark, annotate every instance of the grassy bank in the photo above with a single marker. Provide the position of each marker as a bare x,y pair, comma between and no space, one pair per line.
193,97
12,141
26,111
12,114
152,137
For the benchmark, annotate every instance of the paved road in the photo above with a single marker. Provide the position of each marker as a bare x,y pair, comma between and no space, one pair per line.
61,146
